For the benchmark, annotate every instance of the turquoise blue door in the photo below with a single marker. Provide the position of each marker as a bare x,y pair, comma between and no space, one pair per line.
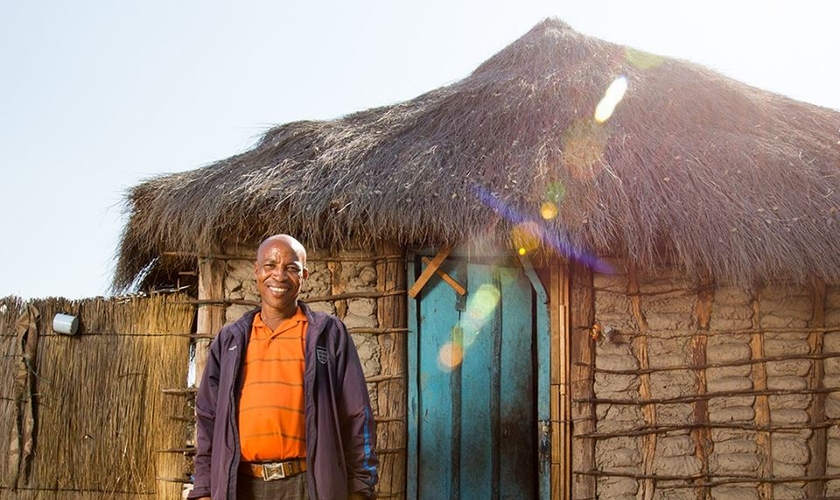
473,384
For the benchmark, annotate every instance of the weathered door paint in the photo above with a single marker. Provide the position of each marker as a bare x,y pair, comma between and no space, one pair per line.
473,375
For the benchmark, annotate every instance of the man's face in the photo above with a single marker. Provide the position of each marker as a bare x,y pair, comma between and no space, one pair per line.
279,271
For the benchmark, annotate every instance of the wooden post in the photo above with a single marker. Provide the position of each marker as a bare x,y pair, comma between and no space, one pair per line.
561,413
211,316
648,410
337,287
701,434
762,403
391,389
818,443
582,381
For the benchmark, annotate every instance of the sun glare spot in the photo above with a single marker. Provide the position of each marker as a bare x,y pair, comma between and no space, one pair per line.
614,94
469,332
478,312
548,210
483,303
451,356
552,238
641,59
555,191
526,236
583,148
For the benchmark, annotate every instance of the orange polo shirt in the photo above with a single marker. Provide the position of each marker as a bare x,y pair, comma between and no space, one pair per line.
271,411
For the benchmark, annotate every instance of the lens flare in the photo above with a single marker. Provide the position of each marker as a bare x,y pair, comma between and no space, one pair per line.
526,235
583,148
451,356
470,330
484,302
548,210
555,192
479,310
641,59
614,94
553,238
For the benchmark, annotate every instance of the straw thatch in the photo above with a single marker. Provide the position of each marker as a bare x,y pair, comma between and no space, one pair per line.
692,167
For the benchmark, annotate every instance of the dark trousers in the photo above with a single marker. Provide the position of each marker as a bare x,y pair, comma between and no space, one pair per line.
254,488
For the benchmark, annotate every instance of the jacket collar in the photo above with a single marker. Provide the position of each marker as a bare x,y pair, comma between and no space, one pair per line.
316,319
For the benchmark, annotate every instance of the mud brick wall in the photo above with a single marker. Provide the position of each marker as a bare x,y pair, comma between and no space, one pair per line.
328,276
715,390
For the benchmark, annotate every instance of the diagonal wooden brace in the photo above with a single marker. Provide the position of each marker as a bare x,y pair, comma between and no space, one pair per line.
427,273
447,278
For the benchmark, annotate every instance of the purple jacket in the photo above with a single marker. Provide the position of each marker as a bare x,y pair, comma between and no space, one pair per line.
340,431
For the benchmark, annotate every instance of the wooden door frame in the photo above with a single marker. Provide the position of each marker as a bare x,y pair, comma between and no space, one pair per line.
552,375
561,412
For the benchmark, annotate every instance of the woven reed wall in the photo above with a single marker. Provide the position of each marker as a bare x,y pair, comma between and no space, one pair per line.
690,390
102,422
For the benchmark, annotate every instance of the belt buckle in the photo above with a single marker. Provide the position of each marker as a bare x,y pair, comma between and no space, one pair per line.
271,472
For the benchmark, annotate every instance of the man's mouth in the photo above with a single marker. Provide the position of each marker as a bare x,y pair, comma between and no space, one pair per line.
278,289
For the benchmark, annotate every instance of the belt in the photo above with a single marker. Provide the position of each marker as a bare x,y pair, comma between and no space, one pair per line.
269,471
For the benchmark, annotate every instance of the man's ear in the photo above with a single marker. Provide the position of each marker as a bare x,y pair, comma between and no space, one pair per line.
305,273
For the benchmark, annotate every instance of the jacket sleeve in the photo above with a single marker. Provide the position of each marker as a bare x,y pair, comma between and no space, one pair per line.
358,428
205,418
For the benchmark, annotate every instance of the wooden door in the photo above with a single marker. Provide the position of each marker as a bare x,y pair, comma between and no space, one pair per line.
473,402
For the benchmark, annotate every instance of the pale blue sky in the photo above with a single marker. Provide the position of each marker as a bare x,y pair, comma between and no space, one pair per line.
97,95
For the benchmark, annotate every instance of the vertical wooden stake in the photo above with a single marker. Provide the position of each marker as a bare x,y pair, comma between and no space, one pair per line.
561,414
818,443
582,380
337,287
762,403
648,410
391,313
701,434
211,317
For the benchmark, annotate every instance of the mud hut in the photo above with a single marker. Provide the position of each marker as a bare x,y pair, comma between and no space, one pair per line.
552,300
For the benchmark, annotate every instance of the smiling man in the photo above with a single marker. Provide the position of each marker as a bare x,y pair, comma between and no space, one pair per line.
283,410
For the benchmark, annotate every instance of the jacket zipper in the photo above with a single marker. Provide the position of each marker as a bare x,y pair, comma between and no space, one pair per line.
232,415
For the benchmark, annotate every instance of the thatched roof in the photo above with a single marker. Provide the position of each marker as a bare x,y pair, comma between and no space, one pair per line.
692,166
